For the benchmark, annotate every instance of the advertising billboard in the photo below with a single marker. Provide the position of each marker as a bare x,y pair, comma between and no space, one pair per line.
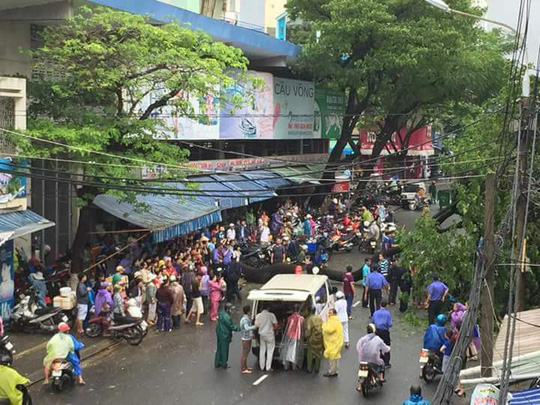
254,119
294,109
420,142
329,109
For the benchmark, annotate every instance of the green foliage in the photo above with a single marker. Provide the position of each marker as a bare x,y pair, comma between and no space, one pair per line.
110,61
403,61
449,254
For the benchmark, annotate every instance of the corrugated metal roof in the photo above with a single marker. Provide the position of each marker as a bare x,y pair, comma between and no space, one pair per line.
19,223
168,216
242,184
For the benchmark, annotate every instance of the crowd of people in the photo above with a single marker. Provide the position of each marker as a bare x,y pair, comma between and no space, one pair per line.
195,279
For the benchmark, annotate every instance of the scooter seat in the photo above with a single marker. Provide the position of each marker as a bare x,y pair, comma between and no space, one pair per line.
46,310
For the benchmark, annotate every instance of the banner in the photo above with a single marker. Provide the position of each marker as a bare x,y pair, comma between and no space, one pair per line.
294,109
203,123
420,142
329,110
11,187
254,119
7,281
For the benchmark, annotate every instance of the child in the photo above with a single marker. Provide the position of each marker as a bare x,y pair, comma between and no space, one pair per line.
446,349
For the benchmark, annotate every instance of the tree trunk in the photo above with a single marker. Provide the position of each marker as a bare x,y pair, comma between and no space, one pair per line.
87,224
352,114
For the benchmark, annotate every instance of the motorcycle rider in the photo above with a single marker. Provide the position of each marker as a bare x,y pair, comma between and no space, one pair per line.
10,380
416,397
63,346
434,336
369,350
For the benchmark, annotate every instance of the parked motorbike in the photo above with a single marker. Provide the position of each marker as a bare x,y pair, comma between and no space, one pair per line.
61,375
430,365
368,378
255,256
28,316
127,328
6,351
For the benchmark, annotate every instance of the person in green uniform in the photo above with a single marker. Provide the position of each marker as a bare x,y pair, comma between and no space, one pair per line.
314,340
224,329
433,192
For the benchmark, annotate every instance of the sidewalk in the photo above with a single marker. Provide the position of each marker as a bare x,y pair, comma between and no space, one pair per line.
31,350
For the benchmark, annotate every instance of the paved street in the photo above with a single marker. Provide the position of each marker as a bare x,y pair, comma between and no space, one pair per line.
178,367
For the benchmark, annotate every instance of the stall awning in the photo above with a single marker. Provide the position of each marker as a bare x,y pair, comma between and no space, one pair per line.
225,196
168,216
19,223
527,397
268,179
238,182
300,174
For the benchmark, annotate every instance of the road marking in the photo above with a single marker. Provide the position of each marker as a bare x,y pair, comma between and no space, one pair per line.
18,355
260,380
356,304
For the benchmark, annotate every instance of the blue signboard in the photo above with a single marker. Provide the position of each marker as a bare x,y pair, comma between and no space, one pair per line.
7,281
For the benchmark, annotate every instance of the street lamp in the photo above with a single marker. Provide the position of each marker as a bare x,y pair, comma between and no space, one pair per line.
446,8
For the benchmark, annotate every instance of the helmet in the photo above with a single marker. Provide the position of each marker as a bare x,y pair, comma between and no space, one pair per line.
441,319
366,224
5,358
339,295
416,390
371,328
315,270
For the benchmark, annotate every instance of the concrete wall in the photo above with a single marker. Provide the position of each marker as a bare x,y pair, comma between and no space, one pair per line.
272,9
15,33
252,12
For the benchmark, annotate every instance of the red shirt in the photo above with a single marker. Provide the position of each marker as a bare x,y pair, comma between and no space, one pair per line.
347,280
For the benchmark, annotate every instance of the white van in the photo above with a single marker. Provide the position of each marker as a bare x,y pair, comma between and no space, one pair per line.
285,293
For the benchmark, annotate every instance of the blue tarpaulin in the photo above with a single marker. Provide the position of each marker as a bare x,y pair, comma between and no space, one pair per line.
168,216
238,182
225,196
19,223
528,397
268,179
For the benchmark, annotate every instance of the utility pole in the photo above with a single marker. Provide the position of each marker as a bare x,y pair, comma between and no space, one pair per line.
521,204
486,308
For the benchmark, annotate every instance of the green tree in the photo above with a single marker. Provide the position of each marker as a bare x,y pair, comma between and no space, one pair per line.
107,64
400,62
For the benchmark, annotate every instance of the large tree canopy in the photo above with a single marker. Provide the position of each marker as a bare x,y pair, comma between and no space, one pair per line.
401,62
106,64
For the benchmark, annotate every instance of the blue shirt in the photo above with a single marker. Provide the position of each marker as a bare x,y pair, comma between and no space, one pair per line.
376,281
436,290
365,274
387,243
382,319
416,399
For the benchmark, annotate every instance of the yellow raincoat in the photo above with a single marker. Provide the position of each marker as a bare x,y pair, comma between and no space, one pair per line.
333,338
9,379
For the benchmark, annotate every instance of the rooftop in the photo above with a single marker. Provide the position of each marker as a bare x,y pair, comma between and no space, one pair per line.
256,45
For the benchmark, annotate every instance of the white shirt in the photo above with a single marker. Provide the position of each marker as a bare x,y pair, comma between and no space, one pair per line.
341,309
265,234
231,234
265,322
